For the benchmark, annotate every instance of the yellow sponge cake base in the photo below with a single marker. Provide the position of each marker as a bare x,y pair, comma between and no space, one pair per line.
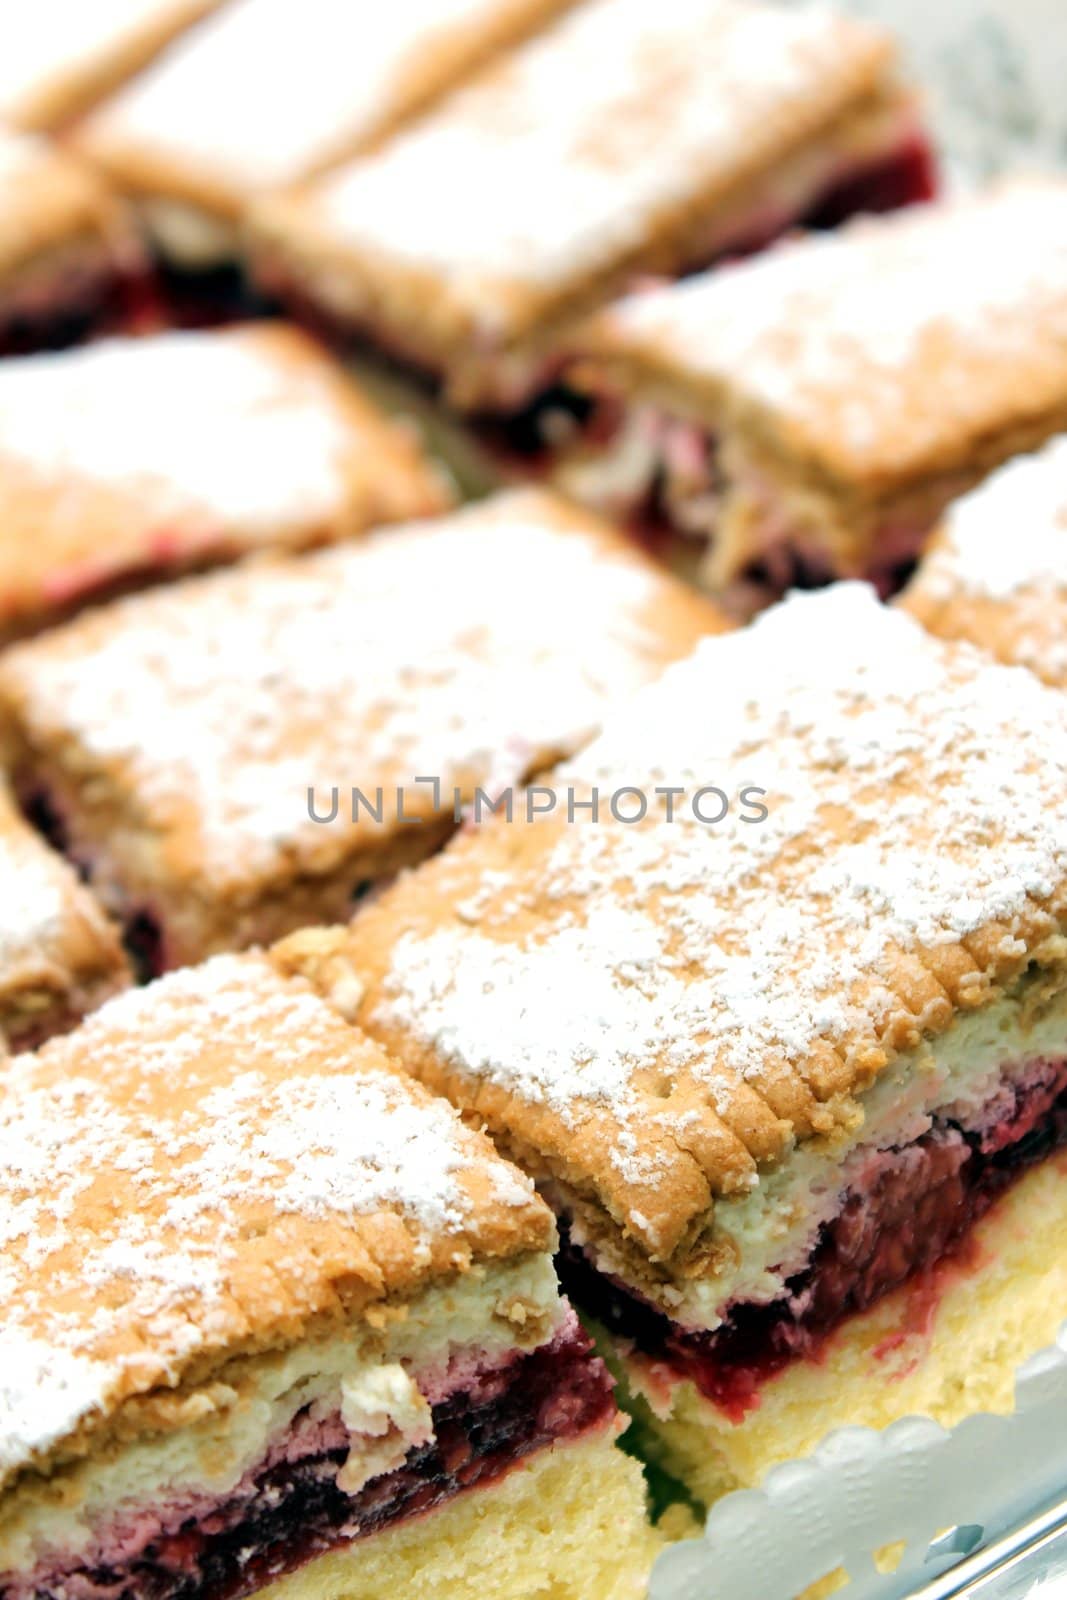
988,1318
568,1524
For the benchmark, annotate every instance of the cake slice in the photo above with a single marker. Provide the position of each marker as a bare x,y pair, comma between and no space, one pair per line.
132,459
266,94
627,138
996,571
59,955
795,1080
57,58
243,754
70,262
812,413
274,1321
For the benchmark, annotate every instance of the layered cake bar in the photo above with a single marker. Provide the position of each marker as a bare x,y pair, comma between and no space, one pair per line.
57,58
59,955
275,1322
210,125
996,571
246,753
810,414
627,138
70,262
788,1056
129,460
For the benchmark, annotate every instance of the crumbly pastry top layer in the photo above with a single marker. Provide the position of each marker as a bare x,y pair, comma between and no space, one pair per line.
350,73
49,201
888,349
580,148
473,649
138,452
211,1166
996,572
56,56
655,1012
53,935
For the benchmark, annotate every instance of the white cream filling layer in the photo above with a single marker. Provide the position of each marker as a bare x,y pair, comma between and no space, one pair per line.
189,236
771,1230
376,1381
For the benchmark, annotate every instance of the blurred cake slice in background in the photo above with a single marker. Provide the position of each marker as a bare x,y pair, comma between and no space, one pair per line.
71,262
132,459
268,93
59,955
57,57
246,753
628,138
996,570
811,414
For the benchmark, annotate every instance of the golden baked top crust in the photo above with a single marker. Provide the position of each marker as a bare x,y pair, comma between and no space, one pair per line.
653,1012
571,162
54,938
475,649
892,348
996,571
211,1166
253,439
56,58
48,202
351,73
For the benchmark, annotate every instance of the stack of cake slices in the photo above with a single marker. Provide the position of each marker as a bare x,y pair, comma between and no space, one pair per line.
792,1074
476,1008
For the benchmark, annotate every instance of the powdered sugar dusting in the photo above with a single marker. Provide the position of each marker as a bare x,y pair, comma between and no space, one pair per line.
996,573
41,1389
582,140
1009,535
904,811
233,435
189,1165
347,72
466,649
890,341
56,39
36,896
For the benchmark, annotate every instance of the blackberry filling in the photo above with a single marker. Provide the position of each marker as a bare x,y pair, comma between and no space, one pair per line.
209,297
906,178
143,939
42,813
296,1511
917,1215
121,303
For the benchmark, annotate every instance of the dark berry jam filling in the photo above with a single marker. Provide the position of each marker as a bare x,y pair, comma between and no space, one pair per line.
527,438
209,297
913,1218
42,813
115,304
294,1512
143,939
908,177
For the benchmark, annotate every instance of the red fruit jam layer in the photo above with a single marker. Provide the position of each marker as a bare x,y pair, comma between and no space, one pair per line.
912,1213
291,1510
908,177
209,297
116,303
518,437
